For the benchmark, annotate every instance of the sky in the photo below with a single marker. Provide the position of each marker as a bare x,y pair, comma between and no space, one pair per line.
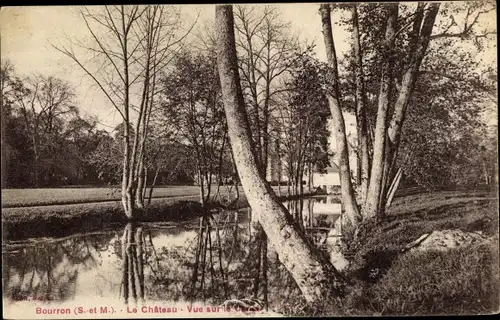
26,34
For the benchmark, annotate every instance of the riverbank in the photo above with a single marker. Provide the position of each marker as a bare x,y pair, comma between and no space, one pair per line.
384,276
62,220
387,278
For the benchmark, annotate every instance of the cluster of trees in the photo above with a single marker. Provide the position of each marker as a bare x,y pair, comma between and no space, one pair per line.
168,96
409,64
47,142
398,52
44,138
254,100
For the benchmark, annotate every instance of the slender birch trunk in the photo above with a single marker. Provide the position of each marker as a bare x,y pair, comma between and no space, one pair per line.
363,156
352,213
375,188
150,196
420,37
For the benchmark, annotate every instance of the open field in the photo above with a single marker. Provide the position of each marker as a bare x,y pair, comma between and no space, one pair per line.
49,196
12,198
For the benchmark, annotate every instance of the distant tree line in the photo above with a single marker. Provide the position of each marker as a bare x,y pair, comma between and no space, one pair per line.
47,142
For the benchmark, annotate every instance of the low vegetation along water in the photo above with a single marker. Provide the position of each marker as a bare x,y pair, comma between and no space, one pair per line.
205,261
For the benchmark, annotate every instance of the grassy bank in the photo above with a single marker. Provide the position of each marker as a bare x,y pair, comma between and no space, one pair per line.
12,198
16,198
388,281
61,220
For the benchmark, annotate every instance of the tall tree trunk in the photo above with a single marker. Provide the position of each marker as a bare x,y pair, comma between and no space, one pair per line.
150,195
265,136
315,276
201,181
258,262
386,174
219,167
419,43
288,185
363,156
486,175
139,194
235,176
265,263
352,213
36,166
257,133
127,199
371,207
278,167
309,177
144,186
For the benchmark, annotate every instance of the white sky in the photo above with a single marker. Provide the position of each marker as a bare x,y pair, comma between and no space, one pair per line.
26,33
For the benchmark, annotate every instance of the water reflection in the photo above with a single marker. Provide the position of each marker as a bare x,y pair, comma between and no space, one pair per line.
212,259
46,270
318,217
132,256
208,272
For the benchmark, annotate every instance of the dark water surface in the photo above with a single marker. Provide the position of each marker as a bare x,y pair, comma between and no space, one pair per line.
205,259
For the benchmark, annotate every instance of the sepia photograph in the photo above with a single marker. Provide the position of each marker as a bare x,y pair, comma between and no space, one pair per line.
249,160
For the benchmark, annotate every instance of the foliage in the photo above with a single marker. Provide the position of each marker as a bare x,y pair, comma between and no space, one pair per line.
387,281
445,134
301,123
42,126
443,131
192,112
266,49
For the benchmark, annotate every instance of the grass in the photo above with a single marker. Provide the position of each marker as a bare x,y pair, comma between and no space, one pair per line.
410,217
14,198
66,219
387,281
38,197
460,281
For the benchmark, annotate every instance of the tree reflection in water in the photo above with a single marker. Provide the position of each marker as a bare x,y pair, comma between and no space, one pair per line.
132,263
48,270
208,271
215,264
218,259
212,259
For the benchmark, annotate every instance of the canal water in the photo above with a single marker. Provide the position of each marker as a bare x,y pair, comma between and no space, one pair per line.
208,260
